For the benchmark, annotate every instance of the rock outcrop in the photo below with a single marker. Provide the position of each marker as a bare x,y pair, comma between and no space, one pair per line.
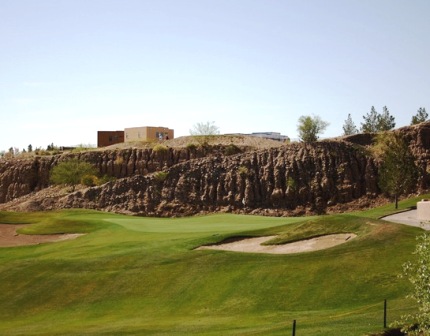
293,179
285,179
18,177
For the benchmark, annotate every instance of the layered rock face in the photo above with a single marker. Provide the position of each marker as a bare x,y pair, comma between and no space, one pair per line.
19,177
288,179
418,137
293,179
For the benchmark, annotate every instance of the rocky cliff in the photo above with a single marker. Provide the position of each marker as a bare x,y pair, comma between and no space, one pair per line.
19,177
293,179
289,179
418,137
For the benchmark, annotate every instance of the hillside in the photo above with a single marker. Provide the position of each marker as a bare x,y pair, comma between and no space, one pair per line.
215,174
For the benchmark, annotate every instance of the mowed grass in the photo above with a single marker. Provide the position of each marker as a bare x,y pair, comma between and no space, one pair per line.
143,276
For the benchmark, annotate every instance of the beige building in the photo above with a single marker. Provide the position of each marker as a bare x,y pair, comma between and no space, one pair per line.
147,133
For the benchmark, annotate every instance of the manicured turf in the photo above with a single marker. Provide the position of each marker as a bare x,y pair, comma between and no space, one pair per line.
142,276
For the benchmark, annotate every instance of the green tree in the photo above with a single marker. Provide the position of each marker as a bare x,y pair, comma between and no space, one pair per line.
385,120
71,172
398,172
30,148
375,122
420,117
309,128
349,127
207,128
370,124
418,273
50,147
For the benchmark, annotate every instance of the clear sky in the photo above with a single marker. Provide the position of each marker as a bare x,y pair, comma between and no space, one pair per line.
69,68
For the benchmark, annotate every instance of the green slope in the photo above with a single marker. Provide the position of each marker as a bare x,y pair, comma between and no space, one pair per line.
142,276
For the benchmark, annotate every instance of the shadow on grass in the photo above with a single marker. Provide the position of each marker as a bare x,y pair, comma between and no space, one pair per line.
390,332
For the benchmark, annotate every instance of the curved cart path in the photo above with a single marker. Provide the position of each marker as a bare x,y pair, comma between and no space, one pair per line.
408,218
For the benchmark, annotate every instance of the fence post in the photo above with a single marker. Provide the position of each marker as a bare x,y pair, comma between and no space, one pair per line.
294,328
385,313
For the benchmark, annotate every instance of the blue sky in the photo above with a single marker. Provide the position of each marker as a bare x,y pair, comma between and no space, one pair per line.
69,68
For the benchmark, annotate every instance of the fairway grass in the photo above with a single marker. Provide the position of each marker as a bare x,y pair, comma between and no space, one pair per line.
143,276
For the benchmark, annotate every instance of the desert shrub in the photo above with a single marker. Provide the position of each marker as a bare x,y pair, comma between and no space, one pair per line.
105,179
232,149
119,160
291,183
159,148
160,176
191,146
243,171
89,180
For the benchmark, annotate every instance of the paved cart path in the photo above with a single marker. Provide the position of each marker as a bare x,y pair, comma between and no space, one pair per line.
408,218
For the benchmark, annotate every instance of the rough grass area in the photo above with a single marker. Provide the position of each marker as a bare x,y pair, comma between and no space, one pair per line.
142,276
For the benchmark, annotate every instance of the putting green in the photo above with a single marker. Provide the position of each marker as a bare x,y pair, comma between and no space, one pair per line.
209,224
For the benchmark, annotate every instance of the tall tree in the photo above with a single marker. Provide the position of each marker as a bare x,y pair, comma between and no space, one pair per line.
420,117
397,173
349,127
309,128
375,122
370,124
385,120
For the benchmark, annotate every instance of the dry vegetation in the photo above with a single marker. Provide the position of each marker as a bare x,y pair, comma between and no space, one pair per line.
213,140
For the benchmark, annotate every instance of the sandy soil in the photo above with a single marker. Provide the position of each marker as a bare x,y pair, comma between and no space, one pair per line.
254,244
9,237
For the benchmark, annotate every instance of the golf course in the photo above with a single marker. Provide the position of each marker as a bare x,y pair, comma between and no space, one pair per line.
123,275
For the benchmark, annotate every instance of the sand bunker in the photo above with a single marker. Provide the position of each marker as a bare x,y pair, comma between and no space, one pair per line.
9,237
253,245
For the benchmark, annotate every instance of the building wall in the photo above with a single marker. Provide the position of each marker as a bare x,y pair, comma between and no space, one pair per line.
107,138
266,135
147,133
271,135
